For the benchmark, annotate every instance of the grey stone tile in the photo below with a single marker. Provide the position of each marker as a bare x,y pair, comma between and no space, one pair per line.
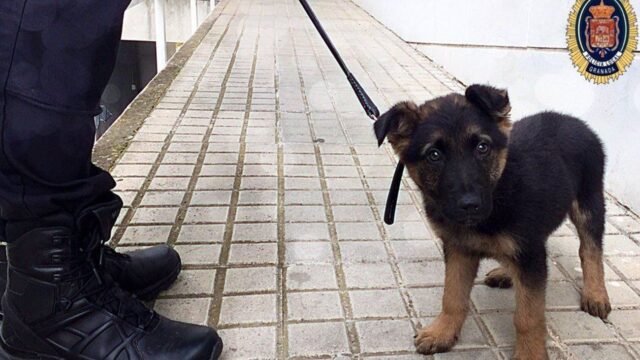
251,342
201,233
377,304
423,273
627,322
199,254
486,298
385,335
129,183
348,197
579,326
211,198
311,276
169,183
294,213
300,171
260,213
562,295
253,254
427,301
308,252
262,309
261,232
258,197
363,276
344,184
621,294
626,265
408,231
346,213
180,158
158,234
300,159
131,170
599,351
340,171
193,311
206,215
175,170
193,282
358,231
292,183
253,279
572,265
306,232
416,250
159,198
404,213
620,245
138,158
155,215
627,224
318,339
218,170
302,197
467,355
127,197
501,328
305,306
214,183
363,251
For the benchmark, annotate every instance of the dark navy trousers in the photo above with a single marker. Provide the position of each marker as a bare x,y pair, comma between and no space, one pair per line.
56,57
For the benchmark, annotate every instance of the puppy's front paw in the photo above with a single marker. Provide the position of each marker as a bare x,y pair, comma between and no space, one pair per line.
436,338
596,303
498,278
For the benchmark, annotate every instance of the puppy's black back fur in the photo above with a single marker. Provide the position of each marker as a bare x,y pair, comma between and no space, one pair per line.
553,160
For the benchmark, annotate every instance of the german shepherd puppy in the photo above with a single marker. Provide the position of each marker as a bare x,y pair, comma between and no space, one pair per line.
496,190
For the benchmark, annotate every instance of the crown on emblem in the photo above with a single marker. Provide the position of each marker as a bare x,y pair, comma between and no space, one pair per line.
602,11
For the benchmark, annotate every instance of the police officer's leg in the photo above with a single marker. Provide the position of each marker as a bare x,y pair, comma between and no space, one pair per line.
56,57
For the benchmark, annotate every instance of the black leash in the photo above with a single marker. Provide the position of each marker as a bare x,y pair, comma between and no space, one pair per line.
368,106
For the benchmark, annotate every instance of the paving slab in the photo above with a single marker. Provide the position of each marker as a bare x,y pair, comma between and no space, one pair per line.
255,161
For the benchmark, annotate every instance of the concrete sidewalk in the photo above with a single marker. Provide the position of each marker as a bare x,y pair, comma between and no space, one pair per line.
259,166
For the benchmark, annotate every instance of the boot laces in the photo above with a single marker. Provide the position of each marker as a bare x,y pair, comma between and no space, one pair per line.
86,269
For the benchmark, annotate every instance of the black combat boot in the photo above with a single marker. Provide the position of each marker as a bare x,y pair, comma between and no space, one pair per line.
61,304
144,273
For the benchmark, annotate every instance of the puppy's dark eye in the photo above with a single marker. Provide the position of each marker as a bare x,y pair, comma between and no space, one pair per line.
483,148
434,155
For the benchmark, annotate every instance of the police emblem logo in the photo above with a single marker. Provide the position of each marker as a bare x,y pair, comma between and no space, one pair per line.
602,36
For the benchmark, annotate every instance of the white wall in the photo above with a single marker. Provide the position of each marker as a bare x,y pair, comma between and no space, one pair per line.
139,23
520,45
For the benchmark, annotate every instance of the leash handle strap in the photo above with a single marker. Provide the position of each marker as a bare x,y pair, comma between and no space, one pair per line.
369,107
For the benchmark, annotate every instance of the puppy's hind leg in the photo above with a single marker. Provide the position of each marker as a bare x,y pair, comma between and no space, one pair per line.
587,214
498,278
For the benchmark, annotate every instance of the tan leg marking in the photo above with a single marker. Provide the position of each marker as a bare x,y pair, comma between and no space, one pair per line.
498,278
595,299
441,335
529,320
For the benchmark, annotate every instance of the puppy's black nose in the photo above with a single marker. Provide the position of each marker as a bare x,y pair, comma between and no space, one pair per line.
469,203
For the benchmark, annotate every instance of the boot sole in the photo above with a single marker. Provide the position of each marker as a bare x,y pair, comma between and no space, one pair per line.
151,292
13,354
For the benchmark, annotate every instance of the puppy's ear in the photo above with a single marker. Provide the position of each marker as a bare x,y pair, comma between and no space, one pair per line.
397,123
494,102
